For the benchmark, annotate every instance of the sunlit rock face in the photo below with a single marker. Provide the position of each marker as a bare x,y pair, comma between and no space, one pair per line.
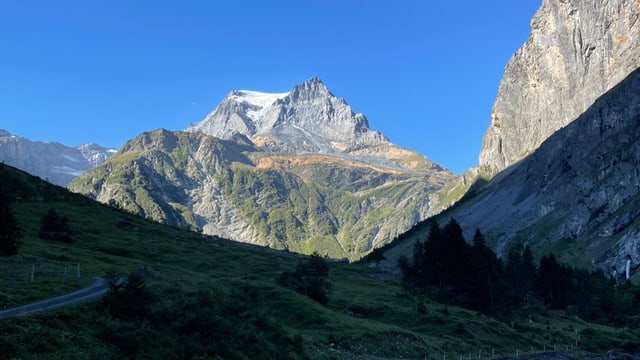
577,50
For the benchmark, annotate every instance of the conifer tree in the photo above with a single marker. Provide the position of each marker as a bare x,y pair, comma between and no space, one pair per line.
430,259
55,227
456,256
485,274
10,230
519,273
547,280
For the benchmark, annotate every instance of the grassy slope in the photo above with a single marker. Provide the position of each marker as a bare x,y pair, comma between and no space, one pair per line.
365,316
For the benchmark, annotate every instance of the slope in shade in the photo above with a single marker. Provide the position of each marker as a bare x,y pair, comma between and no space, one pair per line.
577,195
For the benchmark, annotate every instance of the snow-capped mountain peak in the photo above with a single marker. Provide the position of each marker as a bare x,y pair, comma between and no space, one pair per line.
309,118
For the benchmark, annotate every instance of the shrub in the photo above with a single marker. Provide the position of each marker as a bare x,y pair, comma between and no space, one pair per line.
310,279
55,227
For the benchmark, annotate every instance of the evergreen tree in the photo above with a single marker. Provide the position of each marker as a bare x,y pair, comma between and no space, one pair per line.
519,274
527,273
10,230
310,278
479,241
432,269
55,227
455,256
486,270
548,281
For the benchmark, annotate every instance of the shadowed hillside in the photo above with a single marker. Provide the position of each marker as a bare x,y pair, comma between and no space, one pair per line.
206,297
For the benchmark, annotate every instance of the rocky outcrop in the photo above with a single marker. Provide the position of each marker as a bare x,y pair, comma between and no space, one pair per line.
52,161
577,50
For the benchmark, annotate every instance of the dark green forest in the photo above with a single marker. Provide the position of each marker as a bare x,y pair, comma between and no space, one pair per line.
457,272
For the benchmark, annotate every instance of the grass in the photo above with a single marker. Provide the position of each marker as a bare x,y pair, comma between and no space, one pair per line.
231,287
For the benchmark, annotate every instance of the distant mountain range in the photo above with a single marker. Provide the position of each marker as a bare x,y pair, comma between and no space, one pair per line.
51,161
297,170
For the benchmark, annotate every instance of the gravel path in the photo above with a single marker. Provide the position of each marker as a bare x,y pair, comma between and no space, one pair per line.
98,288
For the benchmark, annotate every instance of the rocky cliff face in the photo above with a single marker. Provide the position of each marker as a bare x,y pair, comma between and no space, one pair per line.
297,170
575,196
577,50
52,161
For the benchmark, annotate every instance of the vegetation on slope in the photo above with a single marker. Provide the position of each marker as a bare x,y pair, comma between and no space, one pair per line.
212,298
338,207
471,275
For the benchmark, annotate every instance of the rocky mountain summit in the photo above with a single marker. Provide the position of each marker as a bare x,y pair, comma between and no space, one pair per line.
577,51
308,119
297,170
52,161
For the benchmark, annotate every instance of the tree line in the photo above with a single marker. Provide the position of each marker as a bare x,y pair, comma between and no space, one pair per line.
467,274
53,226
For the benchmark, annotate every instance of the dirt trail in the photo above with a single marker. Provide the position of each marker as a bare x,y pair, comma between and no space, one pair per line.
99,287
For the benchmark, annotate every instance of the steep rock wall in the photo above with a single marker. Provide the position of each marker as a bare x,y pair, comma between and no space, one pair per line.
577,50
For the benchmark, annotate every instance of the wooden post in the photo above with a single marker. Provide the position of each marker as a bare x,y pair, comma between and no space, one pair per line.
33,271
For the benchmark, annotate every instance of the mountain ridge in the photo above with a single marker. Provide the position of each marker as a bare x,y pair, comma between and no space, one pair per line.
53,161
322,182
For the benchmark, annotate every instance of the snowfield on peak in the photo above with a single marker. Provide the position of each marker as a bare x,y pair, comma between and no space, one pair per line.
258,101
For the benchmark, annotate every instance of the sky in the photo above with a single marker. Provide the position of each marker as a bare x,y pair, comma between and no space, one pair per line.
424,73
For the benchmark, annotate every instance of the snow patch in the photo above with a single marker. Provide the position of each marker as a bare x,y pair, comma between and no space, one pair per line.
72,159
66,170
258,102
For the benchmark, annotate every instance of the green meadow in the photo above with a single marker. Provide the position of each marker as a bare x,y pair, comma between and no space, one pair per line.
216,299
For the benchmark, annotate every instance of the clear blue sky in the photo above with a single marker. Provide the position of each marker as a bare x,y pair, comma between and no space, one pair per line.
424,73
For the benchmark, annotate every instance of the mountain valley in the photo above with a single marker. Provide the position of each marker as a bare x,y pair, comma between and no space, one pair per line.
282,226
